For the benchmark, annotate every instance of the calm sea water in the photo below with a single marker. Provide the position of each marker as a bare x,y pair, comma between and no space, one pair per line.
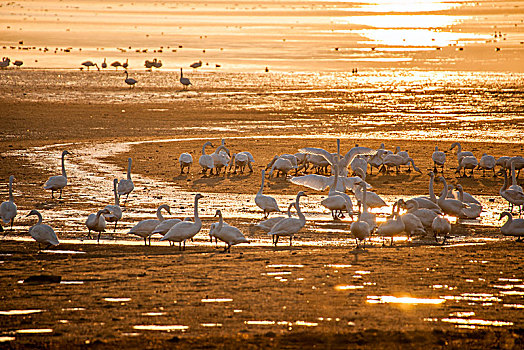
283,35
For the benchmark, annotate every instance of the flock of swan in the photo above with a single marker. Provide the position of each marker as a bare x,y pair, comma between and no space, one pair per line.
424,214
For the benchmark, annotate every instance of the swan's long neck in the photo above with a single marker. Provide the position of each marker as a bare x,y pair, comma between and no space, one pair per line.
364,195
181,73
338,148
513,177
335,182
289,209
510,219
117,200
436,148
445,191
63,166
129,169
262,184
159,212
461,193
98,214
220,221
197,219
505,185
204,148
299,212
39,218
219,148
432,196
413,206
11,199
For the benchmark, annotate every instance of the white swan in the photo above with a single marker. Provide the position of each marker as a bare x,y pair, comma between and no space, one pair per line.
289,226
220,158
360,230
97,222
359,165
377,160
267,203
267,225
115,212
130,81
393,226
412,224
42,233
226,233
514,183
184,81
514,198
336,201
365,215
58,182
426,216
465,197
512,227
441,227
451,207
185,160
373,200
282,165
126,186
395,160
206,160
185,230
439,158
240,160
460,153
8,208
487,162
467,162
145,228
472,210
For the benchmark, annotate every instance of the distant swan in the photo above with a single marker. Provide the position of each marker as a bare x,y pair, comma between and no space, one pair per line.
89,64
206,160
116,64
514,198
451,207
185,161
8,208
392,227
184,81
290,226
126,186
226,233
96,222
267,203
130,81
460,153
487,162
58,182
42,233
185,230
441,227
439,158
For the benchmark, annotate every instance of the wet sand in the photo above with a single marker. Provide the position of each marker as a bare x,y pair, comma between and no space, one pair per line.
281,297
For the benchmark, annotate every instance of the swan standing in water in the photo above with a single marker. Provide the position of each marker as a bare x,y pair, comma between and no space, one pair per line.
185,230
58,182
184,81
460,153
473,209
116,64
289,226
431,201
130,81
412,223
97,222
206,160
239,160
392,227
89,64
426,216
441,227
267,225
226,233
126,186
451,207
267,203
42,233
145,228
467,162
514,198
115,212
365,215
512,227
337,201
439,158
104,64
185,160
8,208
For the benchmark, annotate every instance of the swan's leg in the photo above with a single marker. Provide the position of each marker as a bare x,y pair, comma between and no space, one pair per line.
89,234
150,241
98,238
290,240
116,222
276,240
60,194
12,221
391,243
184,245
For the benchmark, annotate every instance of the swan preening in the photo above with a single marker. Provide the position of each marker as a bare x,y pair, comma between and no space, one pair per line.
58,182
8,208
42,233
96,222
185,160
226,233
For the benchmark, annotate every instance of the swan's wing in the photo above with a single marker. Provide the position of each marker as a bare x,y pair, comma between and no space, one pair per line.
319,152
316,182
355,151
350,183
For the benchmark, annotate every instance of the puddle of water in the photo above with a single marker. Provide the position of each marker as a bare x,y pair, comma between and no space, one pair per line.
514,306
462,314
237,311
348,287
442,286
168,328
511,292
510,279
211,324
6,339
388,299
260,323
223,300
153,314
71,282
131,334
472,297
305,324
363,272
341,266
34,331
509,286
283,266
63,252
277,273
19,312
117,300
74,309
473,322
